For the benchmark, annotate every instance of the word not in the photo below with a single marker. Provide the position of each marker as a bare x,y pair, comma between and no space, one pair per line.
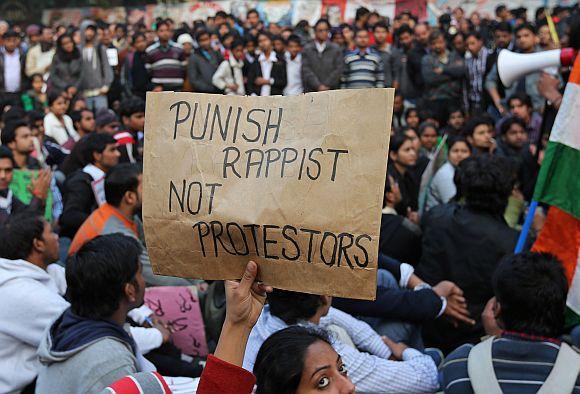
184,196
265,240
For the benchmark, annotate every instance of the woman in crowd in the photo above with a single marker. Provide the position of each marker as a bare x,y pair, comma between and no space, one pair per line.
428,137
35,99
412,118
66,70
57,124
229,77
402,159
442,188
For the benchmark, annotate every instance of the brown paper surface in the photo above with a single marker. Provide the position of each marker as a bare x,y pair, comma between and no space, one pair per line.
281,187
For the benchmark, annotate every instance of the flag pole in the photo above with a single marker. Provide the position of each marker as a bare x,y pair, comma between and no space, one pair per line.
526,227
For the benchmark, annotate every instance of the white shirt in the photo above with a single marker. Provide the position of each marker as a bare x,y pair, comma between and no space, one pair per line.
320,47
293,75
266,66
12,71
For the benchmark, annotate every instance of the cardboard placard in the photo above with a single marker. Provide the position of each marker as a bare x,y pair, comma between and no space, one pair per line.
293,183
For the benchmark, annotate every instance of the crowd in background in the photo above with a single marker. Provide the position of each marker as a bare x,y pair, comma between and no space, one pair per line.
464,156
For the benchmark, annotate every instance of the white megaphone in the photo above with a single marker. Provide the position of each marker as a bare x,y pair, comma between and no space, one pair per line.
512,66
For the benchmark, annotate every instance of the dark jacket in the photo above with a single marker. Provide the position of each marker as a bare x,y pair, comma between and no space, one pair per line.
79,202
409,185
321,68
463,246
278,74
448,84
134,76
36,206
391,64
66,73
75,160
200,70
22,70
414,59
524,164
400,239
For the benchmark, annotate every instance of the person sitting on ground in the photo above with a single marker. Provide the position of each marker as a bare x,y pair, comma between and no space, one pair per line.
32,292
57,124
130,140
526,319
84,189
17,136
455,122
123,188
479,133
402,159
442,188
428,137
362,349
463,241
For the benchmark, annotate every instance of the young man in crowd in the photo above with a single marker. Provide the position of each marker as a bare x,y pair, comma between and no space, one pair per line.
266,76
123,188
293,58
84,188
443,74
39,57
503,37
462,242
411,92
17,136
84,122
455,122
322,61
389,55
477,69
12,64
363,350
520,105
130,141
525,318
97,73
415,56
165,61
202,64
87,347
363,67
32,290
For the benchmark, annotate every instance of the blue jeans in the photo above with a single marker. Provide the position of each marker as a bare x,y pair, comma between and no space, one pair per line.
95,103
396,330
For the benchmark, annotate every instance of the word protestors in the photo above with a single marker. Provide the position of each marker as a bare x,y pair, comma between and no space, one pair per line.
294,183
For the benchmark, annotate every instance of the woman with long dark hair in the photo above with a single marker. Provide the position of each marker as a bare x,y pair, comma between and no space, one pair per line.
66,70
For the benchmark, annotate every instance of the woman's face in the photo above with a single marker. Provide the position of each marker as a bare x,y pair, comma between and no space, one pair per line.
67,45
324,371
37,84
59,106
429,138
458,152
348,34
415,141
482,136
412,119
406,155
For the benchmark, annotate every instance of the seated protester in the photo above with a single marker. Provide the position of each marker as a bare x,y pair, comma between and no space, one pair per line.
366,353
428,137
119,214
400,238
106,121
12,205
130,141
229,75
479,134
84,122
84,189
402,159
202,64
300,360
526,320
520,105
442,188
455,122
412,119
32,297
17,136
513,144
462,242
87,347
422,160
35,99
57,124
51,153
267,75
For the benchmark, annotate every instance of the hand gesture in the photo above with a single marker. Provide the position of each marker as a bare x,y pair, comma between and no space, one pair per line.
245,299
39,186
456,308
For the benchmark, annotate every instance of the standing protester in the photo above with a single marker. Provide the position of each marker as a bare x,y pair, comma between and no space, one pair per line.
389,55
503,40
165,61
363,67
293,57
477,69
12,77
411,92
134,75
97,74
202,64
229,76
67,68
322,61
39,57
267,76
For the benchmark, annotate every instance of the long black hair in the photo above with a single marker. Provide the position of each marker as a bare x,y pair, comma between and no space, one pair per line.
280,360
64,55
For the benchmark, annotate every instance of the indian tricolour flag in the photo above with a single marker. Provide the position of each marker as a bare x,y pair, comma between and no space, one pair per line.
559,186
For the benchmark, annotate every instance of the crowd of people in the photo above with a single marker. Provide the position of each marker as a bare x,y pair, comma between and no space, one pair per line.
463,160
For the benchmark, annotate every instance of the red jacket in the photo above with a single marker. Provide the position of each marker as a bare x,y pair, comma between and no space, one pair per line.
220,377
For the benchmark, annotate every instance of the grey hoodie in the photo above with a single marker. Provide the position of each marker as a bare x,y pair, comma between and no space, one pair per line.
31,301
96,69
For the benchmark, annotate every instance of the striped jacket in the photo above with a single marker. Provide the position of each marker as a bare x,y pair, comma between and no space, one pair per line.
521,364
166,65
363,70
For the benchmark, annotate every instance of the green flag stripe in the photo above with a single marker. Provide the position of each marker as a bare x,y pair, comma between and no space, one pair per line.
559,179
